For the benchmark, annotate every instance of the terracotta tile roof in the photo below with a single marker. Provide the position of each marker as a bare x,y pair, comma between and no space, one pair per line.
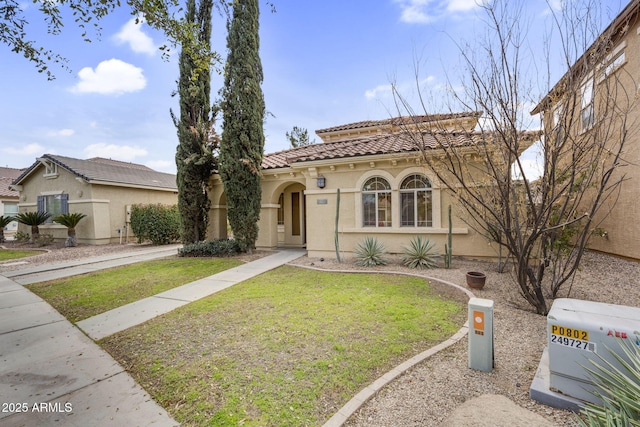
391,143
396,121
109,171
7,175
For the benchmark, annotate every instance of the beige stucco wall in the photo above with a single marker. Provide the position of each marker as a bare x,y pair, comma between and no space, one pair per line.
103,205
619,215
319,210
621,224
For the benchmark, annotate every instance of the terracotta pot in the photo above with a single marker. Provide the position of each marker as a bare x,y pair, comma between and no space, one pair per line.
476,280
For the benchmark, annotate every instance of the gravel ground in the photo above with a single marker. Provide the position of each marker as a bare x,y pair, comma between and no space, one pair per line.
428,393
56,253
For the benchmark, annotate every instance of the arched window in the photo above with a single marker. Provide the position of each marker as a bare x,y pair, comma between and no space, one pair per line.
376,203
416,200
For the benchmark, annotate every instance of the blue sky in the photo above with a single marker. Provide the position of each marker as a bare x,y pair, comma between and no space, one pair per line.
326,63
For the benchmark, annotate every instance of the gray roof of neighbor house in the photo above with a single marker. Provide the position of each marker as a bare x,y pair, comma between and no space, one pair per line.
390,143
7,175
107,171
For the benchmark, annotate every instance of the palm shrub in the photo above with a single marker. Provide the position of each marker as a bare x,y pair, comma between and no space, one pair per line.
370,252
4,221
70,220
619,389
419,254
33,219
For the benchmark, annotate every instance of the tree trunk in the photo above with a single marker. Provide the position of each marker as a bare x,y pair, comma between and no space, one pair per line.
35,233
71,241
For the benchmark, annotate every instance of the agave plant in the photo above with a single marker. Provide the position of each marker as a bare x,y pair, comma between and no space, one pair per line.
70,220
33,219
4,221
370,252
618,388
419,254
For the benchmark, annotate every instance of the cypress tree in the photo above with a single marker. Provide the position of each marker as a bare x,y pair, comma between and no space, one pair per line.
243,108
194,159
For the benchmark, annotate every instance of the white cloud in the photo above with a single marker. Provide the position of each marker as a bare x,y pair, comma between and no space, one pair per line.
124,153
425,11
461,5
26,150
414,11
377,91
110,77
61,132
131,33
162,166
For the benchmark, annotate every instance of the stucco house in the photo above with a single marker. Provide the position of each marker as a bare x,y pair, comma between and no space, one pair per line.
386,191
9,198
599,96
102,189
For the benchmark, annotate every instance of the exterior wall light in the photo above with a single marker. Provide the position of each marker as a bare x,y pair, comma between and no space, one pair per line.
320,181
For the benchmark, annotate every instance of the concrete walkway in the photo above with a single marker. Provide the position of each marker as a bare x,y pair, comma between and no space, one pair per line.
138,312
53,374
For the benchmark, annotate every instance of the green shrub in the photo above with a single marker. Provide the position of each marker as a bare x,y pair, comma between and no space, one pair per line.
419,254
619,390
370,252
44,240
158,223
21,237
210,248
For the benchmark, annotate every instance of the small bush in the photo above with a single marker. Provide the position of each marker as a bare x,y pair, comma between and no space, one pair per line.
370,252
44,240
211,248
21,237
158,223
419,254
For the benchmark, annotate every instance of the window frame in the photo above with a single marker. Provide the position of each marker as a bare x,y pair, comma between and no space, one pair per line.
377,196
587,117
43,204
414,194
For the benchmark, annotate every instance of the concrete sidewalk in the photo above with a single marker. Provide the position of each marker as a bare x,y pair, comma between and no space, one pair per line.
129,315
52,373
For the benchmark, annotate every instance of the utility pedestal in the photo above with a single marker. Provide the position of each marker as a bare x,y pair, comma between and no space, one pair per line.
481,334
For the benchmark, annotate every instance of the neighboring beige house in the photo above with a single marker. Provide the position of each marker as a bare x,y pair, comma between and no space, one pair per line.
102,189
9,198
602,87
386,191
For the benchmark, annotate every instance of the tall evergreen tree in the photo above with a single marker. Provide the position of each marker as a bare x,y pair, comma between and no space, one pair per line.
194,159
242,145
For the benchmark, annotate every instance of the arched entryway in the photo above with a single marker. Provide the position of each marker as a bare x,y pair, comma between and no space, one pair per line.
291,215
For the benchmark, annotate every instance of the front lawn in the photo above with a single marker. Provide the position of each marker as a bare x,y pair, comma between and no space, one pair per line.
287,348
81,297
9,254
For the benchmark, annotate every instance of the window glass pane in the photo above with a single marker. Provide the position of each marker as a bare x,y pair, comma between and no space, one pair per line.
408,209
587,93
415,200
10,209
424,209
281,209
415,181
384,209
369,210
376,203
53,205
